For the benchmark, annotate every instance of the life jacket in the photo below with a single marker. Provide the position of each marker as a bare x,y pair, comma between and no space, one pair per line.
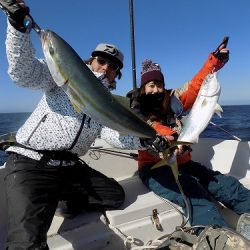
171,126
176,107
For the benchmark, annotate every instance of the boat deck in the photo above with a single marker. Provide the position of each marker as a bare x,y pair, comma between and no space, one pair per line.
144,216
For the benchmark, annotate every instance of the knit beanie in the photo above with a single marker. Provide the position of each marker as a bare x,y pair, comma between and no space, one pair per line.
151,72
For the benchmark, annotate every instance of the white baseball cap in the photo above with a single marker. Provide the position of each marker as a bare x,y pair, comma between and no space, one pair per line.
109,51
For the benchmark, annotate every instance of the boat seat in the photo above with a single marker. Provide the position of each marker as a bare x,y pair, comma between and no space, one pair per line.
139,203
137,211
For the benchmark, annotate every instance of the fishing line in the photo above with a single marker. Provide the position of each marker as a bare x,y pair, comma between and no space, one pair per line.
217,126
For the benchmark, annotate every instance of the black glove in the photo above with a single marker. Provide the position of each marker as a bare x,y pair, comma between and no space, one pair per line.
156,144
222,56
16,14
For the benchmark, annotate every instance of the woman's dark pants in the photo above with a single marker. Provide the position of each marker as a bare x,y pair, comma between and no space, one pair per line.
199,184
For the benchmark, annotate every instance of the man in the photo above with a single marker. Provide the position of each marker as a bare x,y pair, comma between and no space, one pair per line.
43,165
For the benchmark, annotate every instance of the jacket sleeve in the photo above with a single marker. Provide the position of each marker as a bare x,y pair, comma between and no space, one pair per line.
116,140
162,129
24,68
189,91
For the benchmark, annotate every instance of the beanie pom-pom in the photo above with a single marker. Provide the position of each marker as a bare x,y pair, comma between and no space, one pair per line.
148,65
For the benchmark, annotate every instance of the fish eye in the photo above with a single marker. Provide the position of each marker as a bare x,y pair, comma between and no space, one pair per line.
51,50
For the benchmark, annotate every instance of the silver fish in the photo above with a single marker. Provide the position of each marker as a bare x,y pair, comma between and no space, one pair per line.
86,92
203,109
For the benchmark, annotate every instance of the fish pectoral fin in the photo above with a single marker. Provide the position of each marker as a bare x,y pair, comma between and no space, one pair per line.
218,110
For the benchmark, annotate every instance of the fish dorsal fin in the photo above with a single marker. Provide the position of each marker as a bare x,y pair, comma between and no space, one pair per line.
125,101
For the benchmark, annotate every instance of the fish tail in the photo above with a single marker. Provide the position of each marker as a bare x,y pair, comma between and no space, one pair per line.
169,159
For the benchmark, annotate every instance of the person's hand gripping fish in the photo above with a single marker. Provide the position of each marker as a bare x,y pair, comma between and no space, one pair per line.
158,144
19,15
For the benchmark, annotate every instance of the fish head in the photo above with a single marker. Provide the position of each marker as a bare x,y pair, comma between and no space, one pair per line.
49,47
60,57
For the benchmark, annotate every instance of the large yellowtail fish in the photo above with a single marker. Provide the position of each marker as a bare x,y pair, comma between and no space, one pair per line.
89,96
202,111
85,91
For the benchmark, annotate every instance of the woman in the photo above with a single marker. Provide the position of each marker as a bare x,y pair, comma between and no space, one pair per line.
163,109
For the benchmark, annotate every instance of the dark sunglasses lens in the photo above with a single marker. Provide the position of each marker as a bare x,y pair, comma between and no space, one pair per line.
101,61
111,65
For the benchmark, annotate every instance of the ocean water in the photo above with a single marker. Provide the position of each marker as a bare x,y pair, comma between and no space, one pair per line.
235,120
10,122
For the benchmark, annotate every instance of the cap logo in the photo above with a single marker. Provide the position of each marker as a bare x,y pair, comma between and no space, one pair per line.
111,50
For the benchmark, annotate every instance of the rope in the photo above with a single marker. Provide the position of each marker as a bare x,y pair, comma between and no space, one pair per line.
130,242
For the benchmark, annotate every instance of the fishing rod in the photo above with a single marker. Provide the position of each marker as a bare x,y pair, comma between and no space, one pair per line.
101,149
219,127
132,40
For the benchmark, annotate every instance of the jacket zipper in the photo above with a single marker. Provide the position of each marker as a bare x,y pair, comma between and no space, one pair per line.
41,121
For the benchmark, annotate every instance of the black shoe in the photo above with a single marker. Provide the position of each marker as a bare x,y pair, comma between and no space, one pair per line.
64,209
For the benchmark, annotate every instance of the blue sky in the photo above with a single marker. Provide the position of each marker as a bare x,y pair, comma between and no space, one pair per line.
178,34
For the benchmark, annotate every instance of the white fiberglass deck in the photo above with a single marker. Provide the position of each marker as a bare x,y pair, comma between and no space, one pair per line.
135,218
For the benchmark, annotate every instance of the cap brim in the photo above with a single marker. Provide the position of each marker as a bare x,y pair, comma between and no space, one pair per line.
108,56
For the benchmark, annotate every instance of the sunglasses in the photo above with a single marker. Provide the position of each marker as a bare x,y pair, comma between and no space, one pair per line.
103,61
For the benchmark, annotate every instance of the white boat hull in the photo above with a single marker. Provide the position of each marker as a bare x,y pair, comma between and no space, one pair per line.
92,231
